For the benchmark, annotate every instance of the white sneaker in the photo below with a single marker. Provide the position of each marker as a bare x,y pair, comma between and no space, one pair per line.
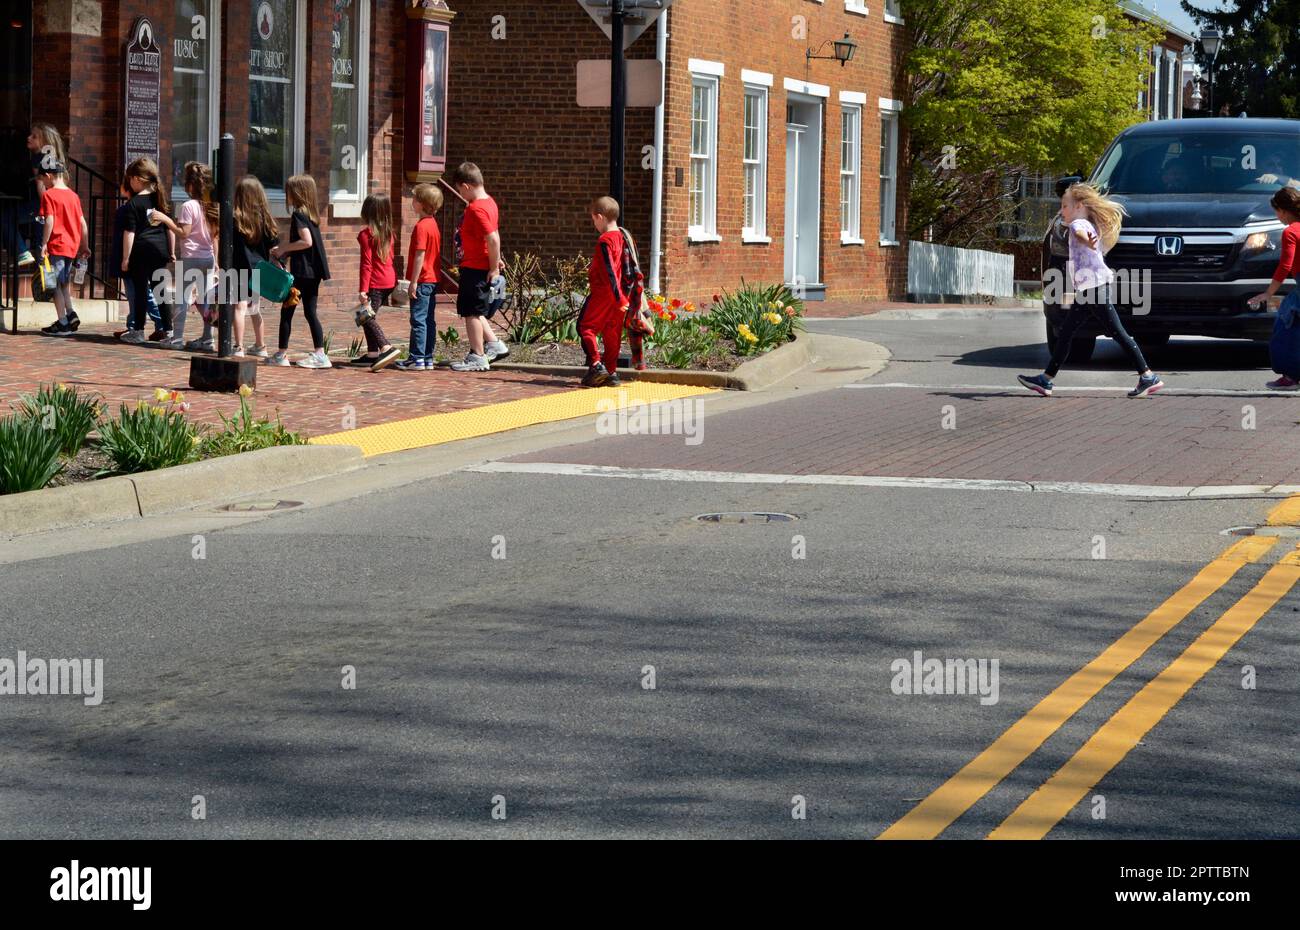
279,360
259,352
316,359
175,342
237,352
199,345
134,336
496,350
472,363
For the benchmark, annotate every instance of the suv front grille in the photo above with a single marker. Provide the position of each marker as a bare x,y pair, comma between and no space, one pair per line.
1194,259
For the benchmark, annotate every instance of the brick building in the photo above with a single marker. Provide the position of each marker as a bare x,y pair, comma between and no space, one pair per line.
321,86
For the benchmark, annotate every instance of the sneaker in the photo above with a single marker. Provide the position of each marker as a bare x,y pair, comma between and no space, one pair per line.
279,360
495,350
237,352
317,359
472,363
386,358
597,375
200,345
640,366
413,364
158,335
259,352
1147,386
1283,384
172,343
74,321
1039,384
363,361
57,328
613,380
26,260
135,337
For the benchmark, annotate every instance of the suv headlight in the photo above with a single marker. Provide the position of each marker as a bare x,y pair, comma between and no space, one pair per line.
1261,241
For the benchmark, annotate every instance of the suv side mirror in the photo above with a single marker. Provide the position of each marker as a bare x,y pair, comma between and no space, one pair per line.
1064,184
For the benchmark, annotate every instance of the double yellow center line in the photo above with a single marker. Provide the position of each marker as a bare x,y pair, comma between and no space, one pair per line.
1042,810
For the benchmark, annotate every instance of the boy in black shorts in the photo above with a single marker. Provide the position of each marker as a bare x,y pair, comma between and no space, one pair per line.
478,254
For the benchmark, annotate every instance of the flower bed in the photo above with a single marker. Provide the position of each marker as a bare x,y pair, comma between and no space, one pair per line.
59,436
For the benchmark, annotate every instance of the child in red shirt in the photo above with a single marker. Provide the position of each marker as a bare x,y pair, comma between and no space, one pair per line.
422,271
604,312
66,238
378,241
1286,204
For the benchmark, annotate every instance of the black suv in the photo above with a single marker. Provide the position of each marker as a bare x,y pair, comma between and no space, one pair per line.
1200,237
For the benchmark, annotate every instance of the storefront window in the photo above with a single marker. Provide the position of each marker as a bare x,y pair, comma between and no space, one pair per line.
275,79
194,83
350,142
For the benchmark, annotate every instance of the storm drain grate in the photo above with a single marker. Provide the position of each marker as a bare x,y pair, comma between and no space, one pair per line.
259,506
745,517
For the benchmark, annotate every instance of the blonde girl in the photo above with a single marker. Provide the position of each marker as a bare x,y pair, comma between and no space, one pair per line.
1093,222
309,267
255,235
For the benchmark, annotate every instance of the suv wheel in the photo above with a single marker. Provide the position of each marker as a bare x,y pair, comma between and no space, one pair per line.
1081,348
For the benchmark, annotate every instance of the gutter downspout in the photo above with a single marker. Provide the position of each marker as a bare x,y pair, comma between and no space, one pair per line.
657,208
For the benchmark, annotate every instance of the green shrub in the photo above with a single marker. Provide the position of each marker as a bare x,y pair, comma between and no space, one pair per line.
682,343
757,319
147,438
550,322
29,455
244,433
64,412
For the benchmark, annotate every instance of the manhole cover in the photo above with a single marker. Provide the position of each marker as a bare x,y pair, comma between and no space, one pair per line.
259,506
1282,532
745,517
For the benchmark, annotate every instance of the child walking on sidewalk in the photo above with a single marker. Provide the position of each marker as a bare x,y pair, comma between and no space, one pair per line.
66,238
309,267
378,241
422,271
197,227
255,233
1094,223
605,311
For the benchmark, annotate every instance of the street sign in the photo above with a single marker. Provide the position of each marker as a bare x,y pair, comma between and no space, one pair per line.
641,15
644,82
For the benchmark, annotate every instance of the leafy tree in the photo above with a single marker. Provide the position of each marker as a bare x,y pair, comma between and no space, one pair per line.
1258,70
999,87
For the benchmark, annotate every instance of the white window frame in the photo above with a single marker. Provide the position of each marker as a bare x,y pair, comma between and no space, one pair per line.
348,203
276,196
1175,76
889,113
214,90
707,75
757,233
892,12
856,6
851,213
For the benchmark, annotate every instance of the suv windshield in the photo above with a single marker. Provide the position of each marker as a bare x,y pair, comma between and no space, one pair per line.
1209,163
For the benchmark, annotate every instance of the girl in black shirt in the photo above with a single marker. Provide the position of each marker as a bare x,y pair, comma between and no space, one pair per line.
309,267
147,247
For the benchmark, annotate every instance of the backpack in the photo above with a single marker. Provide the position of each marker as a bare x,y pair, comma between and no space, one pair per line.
632,284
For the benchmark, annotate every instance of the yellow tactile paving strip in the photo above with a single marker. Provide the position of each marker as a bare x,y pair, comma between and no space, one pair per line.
438,428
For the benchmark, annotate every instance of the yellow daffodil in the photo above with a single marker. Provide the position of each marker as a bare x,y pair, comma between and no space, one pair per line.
245,390
159,394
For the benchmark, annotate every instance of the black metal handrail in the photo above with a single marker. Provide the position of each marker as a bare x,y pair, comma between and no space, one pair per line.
9,211
100,198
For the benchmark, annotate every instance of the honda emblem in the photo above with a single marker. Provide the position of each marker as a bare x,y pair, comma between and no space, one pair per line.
1169,245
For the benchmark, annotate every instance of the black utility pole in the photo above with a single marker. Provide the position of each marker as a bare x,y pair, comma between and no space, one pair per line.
617,100
226,246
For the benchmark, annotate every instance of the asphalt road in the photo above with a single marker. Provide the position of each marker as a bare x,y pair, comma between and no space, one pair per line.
523,677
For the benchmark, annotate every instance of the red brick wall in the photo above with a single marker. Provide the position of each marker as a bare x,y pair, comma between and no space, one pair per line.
759,35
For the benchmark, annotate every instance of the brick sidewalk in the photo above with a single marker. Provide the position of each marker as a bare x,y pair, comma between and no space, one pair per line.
1174,440
313,402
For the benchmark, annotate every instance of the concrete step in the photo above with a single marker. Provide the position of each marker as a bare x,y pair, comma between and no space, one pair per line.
33,315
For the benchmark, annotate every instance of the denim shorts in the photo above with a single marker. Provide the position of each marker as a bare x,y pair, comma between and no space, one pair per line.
62,267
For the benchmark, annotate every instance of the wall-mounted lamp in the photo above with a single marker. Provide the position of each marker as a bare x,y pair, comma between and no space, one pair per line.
845,49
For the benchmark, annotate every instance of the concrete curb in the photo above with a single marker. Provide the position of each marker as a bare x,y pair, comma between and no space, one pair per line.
754,375
946,313
169,489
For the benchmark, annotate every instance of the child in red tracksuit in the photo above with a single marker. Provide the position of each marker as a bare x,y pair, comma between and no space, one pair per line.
605,310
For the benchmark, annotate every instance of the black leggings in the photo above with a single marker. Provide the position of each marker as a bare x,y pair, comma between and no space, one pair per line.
308,290
1105,314
375,338
142,280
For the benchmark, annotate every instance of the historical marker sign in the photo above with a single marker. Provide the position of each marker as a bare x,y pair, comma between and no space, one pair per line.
143,86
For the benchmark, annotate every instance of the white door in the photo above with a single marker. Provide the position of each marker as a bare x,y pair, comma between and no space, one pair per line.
803,192
793,141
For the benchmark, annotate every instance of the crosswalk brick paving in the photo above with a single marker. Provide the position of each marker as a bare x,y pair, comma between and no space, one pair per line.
1170,439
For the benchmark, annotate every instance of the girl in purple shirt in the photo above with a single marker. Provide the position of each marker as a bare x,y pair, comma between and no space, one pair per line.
1094,224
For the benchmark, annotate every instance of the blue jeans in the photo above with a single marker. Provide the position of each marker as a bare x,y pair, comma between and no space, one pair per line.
424,335
151,306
